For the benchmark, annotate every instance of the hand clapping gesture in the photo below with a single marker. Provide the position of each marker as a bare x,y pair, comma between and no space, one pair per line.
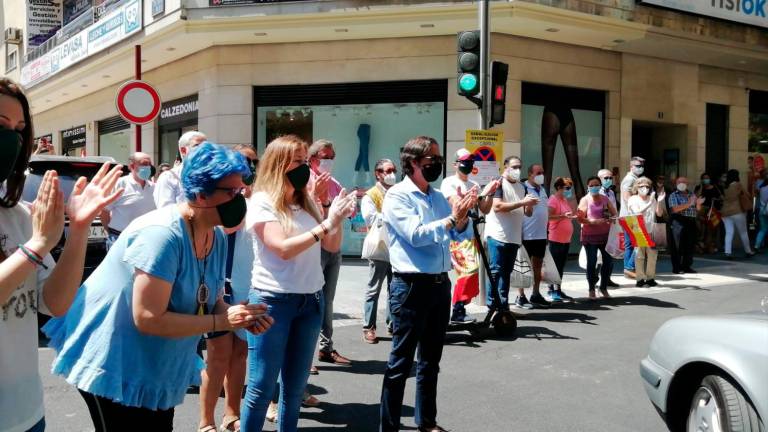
342,206
88,199
47,214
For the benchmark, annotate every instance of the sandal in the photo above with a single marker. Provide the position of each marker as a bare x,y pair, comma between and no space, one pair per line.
207,428
230,423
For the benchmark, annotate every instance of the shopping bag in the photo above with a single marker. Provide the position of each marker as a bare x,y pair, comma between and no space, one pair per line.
615,245
375,246
522,274
583,258
549,273
660,234
466,264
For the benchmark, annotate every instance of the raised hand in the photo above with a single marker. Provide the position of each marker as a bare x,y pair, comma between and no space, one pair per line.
88,199
320,191
342,206
491,187
47,214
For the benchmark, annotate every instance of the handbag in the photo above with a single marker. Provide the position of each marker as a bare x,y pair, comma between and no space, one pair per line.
549,273
375,245
583,258
659,234
615,245
522,273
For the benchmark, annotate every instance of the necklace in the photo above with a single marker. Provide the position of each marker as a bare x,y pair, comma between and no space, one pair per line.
202,289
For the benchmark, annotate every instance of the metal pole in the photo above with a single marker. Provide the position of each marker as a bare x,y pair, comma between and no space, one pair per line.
138,77
485,39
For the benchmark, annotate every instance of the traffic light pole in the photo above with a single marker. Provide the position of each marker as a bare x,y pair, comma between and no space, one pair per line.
485,41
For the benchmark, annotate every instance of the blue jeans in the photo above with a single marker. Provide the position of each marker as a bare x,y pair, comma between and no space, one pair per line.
502,261
629,254
38,427
285,350
379,271
331,262
763,231
420,306
605,270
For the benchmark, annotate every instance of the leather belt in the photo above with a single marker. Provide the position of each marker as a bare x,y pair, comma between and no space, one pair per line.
430,278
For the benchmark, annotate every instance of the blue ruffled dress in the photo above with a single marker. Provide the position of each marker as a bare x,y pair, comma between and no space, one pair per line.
101,351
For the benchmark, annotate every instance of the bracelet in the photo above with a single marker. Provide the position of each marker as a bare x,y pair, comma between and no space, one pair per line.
326,205
317,237
32,256
323,227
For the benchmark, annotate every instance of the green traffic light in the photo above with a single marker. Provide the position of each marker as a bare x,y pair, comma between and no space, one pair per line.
468,82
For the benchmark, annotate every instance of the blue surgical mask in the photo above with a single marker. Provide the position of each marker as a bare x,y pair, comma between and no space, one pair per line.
607,183
705,181
568,193
594,190
144,172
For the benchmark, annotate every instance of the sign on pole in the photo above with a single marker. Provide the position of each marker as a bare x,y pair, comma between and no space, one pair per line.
137,102
487,147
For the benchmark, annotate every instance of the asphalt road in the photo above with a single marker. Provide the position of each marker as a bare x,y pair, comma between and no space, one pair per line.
568,369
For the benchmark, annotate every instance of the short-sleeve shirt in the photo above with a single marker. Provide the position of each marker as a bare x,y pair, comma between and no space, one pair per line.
506,227
21,391
135,201
626,186
301,274
242,270
168,189
678,198
560,230
636,203
450,186
535,225
101,351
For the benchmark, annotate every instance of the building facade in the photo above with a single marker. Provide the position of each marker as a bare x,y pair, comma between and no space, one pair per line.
686,88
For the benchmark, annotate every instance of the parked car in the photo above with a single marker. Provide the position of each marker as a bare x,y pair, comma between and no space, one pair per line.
710,373
69,170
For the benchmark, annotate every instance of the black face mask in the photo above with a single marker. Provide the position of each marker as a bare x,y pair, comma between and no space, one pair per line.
465,167
10,147
431,172
299,176
232,212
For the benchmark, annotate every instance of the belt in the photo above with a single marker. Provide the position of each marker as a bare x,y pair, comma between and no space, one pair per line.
113,231
435,278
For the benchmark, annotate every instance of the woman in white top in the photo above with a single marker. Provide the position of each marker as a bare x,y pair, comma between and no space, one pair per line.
30,281
646,203
288,230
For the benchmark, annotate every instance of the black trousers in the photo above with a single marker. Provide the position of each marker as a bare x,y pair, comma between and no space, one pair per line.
684,236
110,416
420,305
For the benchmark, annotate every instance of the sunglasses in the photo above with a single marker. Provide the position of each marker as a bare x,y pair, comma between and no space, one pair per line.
232,192
567,188
435,159
608,178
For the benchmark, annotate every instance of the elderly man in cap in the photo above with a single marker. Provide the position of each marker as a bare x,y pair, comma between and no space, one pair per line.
454,188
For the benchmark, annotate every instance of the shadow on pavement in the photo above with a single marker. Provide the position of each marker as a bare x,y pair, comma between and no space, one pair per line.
364,367
349,417
640,301
556,316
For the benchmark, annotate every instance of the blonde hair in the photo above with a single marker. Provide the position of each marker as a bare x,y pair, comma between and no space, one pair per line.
272,181
642,181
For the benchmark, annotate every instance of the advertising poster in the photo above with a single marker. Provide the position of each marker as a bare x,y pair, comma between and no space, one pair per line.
74,8
44,144
43,20
487,147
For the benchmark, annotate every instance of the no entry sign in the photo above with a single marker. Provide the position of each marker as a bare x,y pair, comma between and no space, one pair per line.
137,102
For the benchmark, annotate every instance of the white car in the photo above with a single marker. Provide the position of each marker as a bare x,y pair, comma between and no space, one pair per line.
710,373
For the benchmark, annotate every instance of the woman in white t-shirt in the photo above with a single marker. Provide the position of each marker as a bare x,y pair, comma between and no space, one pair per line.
288,230
29,280
645,203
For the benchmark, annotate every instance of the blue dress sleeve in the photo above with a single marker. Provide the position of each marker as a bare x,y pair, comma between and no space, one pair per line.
155,250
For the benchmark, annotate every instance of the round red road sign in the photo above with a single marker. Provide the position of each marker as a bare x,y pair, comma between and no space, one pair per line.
137,102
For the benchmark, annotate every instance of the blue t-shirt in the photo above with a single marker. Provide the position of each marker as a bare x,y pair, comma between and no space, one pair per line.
101,351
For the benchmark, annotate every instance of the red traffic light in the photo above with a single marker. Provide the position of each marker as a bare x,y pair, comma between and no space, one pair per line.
498,93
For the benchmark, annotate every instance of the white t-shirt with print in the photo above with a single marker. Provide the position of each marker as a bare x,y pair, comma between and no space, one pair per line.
301,274
452,184
506,227
21,391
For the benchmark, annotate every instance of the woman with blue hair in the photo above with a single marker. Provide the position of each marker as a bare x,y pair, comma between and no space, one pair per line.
128,342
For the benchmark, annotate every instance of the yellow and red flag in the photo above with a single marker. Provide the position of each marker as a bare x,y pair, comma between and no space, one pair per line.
465,263
638,234
714,217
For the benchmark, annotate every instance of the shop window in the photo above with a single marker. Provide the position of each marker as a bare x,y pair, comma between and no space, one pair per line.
115,139
758,121
366,122
11,58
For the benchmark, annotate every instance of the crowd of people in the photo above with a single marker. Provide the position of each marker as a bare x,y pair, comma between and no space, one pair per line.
244,251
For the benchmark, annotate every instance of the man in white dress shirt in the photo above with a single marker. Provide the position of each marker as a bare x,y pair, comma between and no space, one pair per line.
136,199
168,188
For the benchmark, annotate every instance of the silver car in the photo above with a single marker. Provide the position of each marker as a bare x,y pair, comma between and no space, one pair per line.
710,373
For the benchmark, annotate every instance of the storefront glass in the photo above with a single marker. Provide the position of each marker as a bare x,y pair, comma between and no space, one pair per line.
116,144
758,121
176,117
362,134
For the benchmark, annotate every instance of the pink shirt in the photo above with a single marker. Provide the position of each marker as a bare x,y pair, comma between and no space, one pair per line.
560,230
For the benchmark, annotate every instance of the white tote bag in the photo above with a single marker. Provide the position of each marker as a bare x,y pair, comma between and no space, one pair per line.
522,274
375,245
583,258
615,245
549,273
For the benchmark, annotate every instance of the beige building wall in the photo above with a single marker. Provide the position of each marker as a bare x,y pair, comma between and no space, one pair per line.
13,13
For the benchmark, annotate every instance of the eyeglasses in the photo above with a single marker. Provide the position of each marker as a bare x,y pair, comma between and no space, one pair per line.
253,162
608,178
435,159
232,192
389,171
567,188
516,166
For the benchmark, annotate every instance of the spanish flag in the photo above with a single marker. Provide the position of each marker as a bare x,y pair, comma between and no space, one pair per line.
638,235
466,265
713,217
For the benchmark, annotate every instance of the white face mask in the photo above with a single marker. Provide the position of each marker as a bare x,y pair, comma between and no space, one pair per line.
644,191
682,187
539,179
513,173
326,165
389,179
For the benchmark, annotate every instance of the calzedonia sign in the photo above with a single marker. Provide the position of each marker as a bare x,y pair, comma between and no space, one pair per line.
752,12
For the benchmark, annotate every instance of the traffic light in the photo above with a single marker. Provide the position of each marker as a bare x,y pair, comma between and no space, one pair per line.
499,73
468,58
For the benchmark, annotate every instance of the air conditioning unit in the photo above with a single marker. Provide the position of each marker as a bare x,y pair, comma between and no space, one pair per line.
13,35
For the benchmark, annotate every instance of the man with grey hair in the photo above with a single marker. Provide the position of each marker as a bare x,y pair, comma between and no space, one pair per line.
136,199
325,188
636,169
168,189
